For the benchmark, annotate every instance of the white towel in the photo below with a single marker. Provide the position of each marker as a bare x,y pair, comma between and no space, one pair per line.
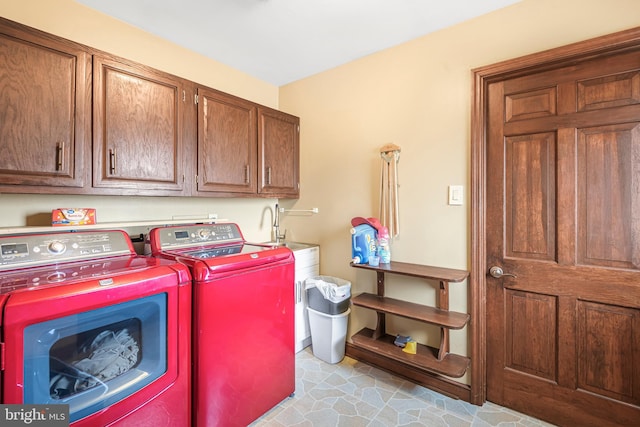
389,203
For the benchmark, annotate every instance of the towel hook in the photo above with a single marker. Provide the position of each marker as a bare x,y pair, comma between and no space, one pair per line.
390,151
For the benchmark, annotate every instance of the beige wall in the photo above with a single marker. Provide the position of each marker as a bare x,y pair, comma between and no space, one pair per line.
74,21
418,96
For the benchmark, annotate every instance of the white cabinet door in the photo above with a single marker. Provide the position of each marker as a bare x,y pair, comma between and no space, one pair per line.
307,265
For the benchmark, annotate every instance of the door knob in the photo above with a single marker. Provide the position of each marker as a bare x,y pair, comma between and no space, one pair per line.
498,272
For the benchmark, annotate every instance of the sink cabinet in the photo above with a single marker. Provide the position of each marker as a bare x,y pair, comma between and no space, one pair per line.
307,264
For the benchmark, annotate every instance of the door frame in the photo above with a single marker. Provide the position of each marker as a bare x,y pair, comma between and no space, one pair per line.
481,78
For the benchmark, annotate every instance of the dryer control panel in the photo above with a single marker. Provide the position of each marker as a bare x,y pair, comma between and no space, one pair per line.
40,249
186,236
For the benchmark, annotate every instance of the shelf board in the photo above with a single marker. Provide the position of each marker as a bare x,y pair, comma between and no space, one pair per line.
418,270
452,365
423,313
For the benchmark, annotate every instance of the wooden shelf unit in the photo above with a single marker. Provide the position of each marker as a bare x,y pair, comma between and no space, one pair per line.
377,346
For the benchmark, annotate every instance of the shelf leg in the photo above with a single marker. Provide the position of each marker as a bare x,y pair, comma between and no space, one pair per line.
444,343
381,326
380,278
443,304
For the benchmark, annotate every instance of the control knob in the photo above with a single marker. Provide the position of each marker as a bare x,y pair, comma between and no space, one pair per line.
57,247
204,233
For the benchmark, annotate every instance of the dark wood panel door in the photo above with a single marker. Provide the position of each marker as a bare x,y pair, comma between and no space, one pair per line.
137,138
278,153
44,111
563,217
227,143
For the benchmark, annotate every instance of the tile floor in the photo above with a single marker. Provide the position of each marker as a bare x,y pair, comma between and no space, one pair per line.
354,394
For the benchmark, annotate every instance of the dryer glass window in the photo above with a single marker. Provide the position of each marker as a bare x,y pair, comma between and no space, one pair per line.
93,359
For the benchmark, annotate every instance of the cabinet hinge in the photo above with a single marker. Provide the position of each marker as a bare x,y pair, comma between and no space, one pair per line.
195,98
184,96
298,128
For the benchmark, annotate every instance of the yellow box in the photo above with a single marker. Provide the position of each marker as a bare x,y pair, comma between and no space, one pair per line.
73,216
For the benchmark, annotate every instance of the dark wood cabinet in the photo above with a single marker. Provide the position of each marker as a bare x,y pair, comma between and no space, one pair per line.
278,153
137,129
75,120
44,112
227,149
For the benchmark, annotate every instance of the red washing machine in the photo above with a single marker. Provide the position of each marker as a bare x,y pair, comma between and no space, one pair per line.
89,324
243,321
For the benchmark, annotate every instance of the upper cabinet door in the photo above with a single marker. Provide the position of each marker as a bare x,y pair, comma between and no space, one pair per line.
227,148
137,129
44,112
278,154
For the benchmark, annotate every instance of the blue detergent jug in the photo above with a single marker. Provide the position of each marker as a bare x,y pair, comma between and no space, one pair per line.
363,243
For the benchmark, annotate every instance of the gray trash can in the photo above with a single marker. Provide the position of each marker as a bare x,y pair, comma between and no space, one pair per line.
328,298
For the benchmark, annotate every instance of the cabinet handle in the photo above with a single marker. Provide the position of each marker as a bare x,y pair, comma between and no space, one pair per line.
60,156
269,175
112,161
247,177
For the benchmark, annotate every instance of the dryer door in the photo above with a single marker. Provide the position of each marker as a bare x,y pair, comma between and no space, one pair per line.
100,347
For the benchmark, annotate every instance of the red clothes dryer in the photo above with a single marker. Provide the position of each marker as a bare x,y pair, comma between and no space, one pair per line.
89,324
243,321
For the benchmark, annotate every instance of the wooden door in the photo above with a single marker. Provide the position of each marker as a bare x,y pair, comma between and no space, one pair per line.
227,143
137,139
44,111
278,153
563,216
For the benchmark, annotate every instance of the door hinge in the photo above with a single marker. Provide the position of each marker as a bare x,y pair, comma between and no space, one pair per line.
195,98
298,128
184,96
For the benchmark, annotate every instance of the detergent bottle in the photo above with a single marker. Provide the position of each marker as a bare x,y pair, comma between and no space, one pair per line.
384,250
363,243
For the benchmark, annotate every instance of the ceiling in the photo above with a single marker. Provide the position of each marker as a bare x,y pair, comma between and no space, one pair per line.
280,41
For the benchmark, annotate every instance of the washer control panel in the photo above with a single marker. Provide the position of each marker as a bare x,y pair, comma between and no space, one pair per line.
41,249
197,235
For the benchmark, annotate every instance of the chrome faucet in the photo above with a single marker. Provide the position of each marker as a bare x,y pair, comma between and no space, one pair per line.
276,226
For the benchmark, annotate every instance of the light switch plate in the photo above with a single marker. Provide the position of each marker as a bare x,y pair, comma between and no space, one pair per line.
456,194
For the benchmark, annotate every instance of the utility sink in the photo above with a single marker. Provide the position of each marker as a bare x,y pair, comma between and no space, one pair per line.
294,246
